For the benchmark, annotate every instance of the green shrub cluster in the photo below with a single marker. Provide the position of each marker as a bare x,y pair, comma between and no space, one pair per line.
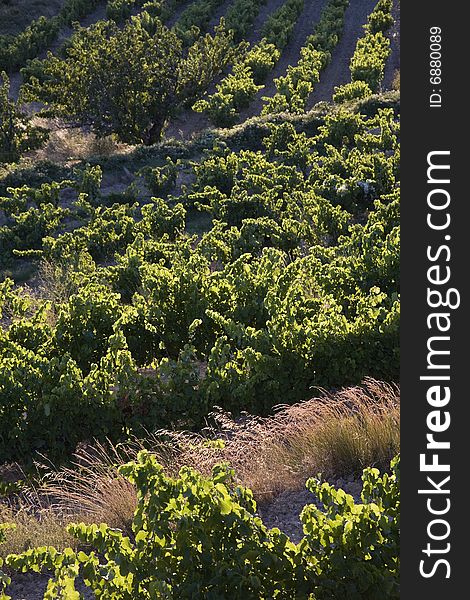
295,87
17,134
198,537
160,180
294,285
380,18
368,61
356,90
235,92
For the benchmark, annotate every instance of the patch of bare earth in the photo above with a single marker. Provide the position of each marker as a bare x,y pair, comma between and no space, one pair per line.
31,586
284,511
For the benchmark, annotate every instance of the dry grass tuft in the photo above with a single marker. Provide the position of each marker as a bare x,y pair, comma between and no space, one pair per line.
396,80
33,528
91,490
67,145
337,434
54,282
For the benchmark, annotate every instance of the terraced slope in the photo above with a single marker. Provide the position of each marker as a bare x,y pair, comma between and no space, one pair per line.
336,73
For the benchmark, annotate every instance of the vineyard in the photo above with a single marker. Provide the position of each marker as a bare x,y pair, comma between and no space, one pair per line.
199,223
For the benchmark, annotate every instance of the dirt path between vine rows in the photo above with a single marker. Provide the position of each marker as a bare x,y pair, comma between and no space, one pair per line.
304,26
266,10
337,72
393,62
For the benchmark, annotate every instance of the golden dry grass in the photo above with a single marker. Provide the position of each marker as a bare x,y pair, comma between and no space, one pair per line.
396,80
33,528
337,434
68,145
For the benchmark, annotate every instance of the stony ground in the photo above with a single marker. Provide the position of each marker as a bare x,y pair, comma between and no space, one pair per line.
284,511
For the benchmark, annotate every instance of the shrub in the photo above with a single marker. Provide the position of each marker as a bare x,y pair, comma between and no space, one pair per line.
261,59
351,91
17,135
233,93
160,180
368,61
196,536
380,18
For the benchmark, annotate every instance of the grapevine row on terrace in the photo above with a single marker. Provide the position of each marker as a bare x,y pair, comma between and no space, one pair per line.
241,16
239,88
294,285
120,10
368,61
278,28
196,18
294,88
16,51
199,537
